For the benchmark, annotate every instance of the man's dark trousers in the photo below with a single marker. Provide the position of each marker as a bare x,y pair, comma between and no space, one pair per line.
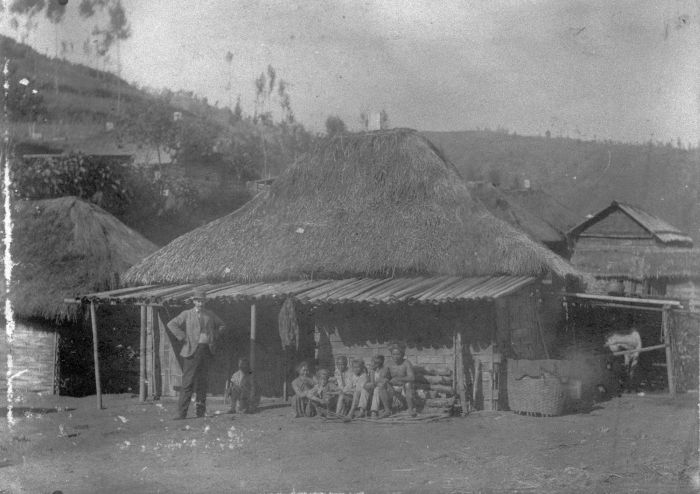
194,380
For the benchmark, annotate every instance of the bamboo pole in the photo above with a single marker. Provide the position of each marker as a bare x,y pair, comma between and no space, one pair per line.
142,356
641,350
95,355
252,352
152,329
669,356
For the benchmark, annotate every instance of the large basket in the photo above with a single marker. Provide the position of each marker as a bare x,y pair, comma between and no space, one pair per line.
544,395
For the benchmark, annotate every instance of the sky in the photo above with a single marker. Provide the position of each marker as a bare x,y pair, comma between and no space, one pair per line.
609,69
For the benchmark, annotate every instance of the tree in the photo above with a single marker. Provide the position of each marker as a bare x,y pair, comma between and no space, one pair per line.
383,119
364,120
285,103
151,124
24,101
495,176
237,114
335,125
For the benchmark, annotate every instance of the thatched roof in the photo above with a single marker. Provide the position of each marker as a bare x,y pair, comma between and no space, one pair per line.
376,204
639,263
63,247
501,206
544,206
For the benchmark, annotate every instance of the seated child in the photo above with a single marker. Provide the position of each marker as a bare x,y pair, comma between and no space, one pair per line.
239,387
302,387
379,388
354,391
341,377
323,394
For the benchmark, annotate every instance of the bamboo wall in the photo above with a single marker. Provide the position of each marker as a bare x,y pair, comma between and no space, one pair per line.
686,290
685,333
33,350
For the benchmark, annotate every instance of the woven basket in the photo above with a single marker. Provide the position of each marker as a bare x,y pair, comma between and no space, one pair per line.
544,395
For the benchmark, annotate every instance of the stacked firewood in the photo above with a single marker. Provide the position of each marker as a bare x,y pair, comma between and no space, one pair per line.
435,386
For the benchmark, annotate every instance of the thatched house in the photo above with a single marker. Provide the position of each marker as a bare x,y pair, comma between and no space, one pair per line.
502,206
544,206
374,237
634,252
60,248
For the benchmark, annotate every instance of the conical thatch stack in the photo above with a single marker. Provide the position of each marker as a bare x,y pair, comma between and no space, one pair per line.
375,204
64,247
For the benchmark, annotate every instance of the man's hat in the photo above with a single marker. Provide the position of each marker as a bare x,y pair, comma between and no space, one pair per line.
199,294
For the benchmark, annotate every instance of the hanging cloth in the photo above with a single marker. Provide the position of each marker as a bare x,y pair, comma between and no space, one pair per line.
288,325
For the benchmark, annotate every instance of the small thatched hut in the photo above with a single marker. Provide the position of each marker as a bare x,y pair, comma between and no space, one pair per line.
375,237
60,248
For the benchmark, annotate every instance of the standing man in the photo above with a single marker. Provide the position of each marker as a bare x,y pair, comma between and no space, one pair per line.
199,329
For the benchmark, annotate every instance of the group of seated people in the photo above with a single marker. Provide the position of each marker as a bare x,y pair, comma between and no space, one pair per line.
354,392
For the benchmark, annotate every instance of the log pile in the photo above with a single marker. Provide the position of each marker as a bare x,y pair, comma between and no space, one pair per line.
434,380
436,386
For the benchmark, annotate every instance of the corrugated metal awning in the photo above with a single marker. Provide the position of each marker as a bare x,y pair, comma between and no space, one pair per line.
423,290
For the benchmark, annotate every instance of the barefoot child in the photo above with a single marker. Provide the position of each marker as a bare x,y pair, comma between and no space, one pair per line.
355,392
302,387
324,394
378,387
240,387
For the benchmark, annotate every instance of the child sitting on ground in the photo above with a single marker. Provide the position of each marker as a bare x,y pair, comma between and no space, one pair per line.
354,391
323,394
238,389
302,386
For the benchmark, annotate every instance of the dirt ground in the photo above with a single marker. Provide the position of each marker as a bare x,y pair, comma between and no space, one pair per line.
628,444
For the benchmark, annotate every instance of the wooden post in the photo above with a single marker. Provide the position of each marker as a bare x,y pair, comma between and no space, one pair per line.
142,356
454,362
95,355
461,376
669,353
157,377
252,352
284,373
56,369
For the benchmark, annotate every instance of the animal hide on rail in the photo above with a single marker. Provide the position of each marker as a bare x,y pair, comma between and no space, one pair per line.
288,325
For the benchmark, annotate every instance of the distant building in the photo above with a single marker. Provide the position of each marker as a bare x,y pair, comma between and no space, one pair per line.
255,186
631,251
506,208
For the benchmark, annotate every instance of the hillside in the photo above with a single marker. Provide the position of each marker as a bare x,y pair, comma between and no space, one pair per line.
56,106
78,103
585,176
